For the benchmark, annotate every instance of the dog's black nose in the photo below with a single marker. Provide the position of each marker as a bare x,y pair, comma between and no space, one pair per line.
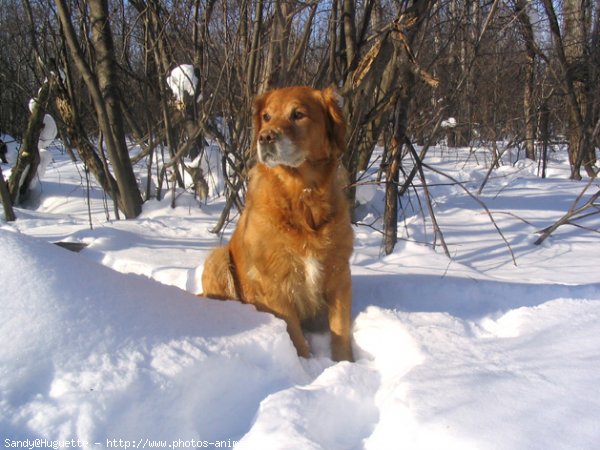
267,136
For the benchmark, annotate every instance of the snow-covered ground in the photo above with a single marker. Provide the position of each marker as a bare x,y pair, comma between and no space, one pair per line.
111,347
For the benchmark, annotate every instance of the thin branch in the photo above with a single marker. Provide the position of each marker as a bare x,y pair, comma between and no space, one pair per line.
571,214
480,203
436,228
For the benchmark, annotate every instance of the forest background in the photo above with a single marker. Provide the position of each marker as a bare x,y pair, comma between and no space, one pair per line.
512,74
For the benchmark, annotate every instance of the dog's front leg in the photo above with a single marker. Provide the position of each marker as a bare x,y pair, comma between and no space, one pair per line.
340,310
287,312
295,331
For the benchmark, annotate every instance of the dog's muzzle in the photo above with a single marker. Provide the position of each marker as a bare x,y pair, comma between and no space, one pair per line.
274,148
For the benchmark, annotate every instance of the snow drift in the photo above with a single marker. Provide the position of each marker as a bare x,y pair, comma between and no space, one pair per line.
94,354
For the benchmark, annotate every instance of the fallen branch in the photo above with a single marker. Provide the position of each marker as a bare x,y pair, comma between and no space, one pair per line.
574,213
478,201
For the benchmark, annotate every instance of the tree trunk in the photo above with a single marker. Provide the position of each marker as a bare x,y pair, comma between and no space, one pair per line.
253,54
131,198
390,214
570,53
528,89
348,18
405,35
85,149
28,159
272,73
9,214
369,100
406,80
573,44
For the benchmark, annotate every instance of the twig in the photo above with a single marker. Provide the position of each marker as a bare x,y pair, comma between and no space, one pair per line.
228,205
87,195
493,166
572,213
478,201
508,213
436,228
424,150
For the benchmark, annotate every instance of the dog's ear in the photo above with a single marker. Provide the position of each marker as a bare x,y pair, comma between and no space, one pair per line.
336,124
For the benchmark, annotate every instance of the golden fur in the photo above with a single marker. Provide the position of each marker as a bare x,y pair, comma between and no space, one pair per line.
289,254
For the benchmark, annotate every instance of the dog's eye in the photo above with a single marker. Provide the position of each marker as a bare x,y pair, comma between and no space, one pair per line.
297,115
266,117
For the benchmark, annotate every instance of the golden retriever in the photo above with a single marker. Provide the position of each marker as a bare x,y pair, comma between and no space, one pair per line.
289,254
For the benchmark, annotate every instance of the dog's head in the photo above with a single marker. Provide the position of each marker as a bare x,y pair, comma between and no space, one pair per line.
295,125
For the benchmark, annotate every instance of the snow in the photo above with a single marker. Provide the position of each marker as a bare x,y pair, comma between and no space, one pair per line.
365,191
49,129
112,346
181,80
449,123
48,133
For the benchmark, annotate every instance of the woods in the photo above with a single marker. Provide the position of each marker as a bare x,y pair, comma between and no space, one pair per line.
412,74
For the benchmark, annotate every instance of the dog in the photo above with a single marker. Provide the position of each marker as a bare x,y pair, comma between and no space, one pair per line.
289,254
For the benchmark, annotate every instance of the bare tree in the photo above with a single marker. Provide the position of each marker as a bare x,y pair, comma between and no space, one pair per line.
576,78
102,86
529,109
28,158
401,68
407,28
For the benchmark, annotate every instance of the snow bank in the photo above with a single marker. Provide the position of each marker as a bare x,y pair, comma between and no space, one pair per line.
92,354
476,388
98,355
431,381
